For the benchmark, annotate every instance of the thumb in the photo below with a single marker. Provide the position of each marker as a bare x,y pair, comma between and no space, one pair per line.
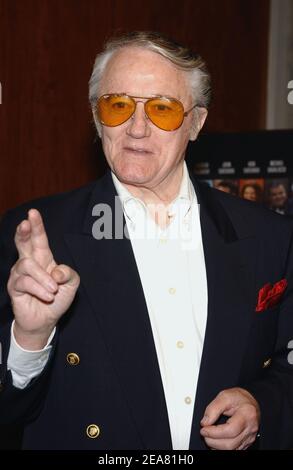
63,274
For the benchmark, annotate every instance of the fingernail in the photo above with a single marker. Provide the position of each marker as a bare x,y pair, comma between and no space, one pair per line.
51,286
60,275
49,296
57,275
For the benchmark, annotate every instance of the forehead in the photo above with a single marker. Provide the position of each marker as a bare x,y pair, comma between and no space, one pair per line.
137,71
279,188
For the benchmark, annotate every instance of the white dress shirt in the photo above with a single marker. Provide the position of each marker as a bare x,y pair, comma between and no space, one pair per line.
171,266
26,365
172,270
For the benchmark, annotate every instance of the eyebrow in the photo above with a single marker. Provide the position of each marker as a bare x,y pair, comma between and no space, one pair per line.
145,97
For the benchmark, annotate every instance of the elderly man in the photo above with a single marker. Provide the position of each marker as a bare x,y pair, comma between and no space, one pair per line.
172,335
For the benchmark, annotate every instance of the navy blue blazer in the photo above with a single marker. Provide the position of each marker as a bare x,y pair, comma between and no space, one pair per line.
117,384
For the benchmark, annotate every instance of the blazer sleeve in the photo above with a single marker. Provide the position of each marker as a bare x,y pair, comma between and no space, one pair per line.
274,389
16,406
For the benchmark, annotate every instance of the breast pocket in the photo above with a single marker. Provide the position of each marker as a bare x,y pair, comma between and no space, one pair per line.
266,324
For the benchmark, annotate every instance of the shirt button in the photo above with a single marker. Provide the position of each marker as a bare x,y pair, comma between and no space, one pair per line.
187,400
172,290
180,344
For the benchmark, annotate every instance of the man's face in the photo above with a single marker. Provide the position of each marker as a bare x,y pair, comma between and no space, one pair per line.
137,151
278,196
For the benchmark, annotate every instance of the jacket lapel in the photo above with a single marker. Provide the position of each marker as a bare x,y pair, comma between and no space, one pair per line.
230,254
110,278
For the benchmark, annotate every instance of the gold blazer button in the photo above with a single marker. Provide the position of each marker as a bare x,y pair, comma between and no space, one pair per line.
73,359
92,431
267,363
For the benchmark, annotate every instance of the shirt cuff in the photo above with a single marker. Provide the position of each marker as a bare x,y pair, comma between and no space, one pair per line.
26,365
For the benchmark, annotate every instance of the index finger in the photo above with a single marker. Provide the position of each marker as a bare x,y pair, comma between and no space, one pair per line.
39,237
31,238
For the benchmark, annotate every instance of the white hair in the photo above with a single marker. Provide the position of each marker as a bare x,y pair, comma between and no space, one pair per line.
182,57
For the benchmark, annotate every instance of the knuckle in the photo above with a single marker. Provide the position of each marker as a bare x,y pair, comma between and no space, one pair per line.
15,285
11,279
16,267
21,282
208,409
254,429
223,395
250,413
10,285
24,264
25,283
12,270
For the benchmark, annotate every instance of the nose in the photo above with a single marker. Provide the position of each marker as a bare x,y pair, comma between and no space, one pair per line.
138,126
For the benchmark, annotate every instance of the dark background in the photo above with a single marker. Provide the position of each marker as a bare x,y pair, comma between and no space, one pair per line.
47,49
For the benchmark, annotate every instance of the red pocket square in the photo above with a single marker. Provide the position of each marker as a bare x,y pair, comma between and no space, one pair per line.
269,295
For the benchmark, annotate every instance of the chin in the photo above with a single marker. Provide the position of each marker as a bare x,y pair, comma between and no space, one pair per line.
132,173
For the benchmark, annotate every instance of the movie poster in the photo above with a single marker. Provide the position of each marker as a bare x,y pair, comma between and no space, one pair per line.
254,166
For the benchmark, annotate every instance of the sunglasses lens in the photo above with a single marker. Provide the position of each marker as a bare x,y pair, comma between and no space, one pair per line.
114,110
167,114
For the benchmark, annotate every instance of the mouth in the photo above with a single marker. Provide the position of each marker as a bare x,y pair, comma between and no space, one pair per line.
137,151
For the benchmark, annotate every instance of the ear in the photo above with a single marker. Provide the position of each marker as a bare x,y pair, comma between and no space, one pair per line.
200,115
97,123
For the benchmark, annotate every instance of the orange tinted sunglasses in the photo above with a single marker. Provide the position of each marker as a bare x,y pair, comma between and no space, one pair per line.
166,113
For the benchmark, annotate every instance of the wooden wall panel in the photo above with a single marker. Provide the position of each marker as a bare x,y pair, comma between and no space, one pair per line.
47,48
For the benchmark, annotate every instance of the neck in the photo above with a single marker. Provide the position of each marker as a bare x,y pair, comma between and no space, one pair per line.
162,193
